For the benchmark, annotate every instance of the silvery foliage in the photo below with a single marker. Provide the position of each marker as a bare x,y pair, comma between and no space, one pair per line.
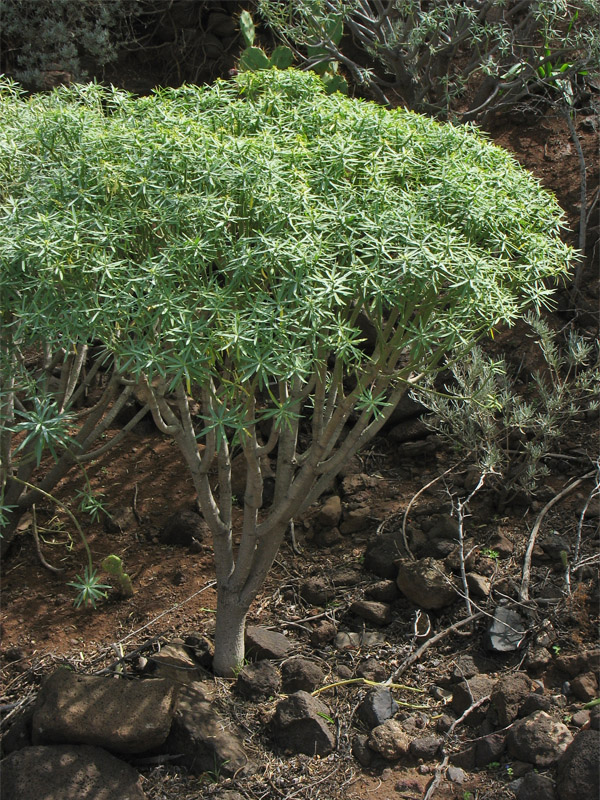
507,421
40,36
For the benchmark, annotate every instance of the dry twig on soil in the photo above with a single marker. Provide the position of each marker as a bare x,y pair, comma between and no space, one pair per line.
418,653
439,770
524,591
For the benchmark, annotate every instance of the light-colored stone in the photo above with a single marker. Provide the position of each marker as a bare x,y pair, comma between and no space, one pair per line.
262,643
390,740
479,585
456,775
506,631
68,772
372,611
538,739
330,512
122,716
347,640
174,664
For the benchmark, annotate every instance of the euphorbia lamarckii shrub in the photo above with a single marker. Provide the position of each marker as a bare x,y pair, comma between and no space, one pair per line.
231,246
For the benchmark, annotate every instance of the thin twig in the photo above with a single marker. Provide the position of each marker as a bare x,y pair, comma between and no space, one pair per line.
134,507
418,653
316,783
13,708
413,500
439,770
175,607
366,682
461,506
38,549
594,493
524,590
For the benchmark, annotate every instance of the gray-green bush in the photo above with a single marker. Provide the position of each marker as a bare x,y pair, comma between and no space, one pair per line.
40,37
229,245
507,422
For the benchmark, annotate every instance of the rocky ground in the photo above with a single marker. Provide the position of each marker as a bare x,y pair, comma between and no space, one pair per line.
367,674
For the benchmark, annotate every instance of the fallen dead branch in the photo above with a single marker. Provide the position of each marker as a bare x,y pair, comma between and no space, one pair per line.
414,499
524,590
38,547
426,645
439,770
366,682
102,654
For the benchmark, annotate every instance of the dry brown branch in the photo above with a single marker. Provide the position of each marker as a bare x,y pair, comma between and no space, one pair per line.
366,682
412,502
439,770
105,650
38,548
418,653
524,590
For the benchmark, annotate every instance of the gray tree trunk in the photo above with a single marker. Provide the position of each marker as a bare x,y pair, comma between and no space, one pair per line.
229,633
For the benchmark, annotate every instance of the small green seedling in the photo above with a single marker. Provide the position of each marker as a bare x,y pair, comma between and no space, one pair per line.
489,553
114,566
89,589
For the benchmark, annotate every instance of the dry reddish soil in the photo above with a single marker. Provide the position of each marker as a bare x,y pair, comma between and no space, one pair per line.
174,587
